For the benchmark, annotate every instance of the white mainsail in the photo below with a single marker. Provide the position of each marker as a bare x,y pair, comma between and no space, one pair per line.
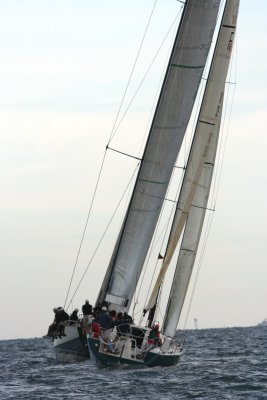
200,167
171,117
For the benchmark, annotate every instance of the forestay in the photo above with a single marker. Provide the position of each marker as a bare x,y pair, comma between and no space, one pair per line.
197,180
171,117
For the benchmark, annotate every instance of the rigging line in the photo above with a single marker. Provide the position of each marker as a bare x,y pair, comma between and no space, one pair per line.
204,208
139,311
155,267
226,82
153,244
209,222
153,107
145,75
219,158
121,152
85,227
135,299
165,229
131,74
176,202
159,197
102,237
208,226
195,115
205,239
228,125
161,313
152,247
105,152
226,118
157,304
200,93
132,247
232,67
139,220
222,147
204,244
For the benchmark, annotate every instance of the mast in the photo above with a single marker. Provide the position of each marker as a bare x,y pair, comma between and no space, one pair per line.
197,185
181,82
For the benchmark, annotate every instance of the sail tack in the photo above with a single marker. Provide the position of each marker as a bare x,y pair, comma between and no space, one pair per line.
197,180
169,124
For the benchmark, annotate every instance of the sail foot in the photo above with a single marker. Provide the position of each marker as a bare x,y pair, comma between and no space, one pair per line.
120,301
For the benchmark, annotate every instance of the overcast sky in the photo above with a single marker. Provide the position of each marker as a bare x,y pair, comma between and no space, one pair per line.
64,67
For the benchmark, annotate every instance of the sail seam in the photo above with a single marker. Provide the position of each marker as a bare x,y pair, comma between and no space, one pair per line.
188,250
165,127
147,180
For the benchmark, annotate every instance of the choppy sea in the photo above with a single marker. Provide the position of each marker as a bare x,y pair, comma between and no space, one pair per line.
229,363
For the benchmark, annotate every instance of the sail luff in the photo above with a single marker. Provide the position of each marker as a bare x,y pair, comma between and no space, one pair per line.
171,117
207,133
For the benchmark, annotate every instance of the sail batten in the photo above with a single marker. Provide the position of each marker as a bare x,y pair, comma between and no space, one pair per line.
168,127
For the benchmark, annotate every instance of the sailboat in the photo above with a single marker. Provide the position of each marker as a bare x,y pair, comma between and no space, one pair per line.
176,100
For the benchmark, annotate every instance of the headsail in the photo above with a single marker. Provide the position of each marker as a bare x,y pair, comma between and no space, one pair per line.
208,118
197,180
171,117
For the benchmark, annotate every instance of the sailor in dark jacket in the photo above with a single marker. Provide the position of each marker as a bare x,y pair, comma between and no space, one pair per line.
87,308
122,325
106,323
61,316
74,316
105,319
53,327
87,311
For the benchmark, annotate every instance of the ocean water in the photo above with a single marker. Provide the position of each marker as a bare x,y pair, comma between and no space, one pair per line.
229,363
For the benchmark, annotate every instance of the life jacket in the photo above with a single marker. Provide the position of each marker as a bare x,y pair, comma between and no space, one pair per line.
153,337
96,329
